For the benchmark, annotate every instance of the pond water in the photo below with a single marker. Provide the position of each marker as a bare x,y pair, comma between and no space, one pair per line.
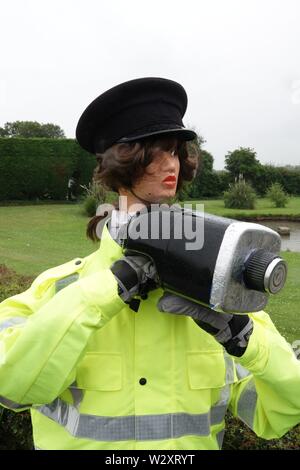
288,242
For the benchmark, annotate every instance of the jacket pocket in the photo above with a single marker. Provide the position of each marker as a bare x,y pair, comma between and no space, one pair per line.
206,370
100,371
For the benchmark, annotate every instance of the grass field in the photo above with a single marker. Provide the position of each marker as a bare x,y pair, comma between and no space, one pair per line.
35,238
284,307
264,208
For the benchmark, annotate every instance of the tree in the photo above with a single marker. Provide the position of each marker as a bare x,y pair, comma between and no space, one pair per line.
52,131
202,183
243,162
224,181
266,175
29,129
277,195
206,182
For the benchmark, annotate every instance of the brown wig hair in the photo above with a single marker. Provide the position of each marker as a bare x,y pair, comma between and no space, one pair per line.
122,165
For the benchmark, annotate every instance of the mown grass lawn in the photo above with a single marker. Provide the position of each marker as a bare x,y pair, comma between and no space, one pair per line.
35,238
264,207
284,307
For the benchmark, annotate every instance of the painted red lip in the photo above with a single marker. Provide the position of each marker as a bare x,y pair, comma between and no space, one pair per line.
170,179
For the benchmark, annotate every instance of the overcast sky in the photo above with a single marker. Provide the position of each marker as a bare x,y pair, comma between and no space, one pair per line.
239,62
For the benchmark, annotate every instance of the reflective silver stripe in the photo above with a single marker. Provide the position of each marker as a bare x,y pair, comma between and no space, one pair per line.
217,413
220,437
219,409
247,404
223,404
64,282
224,397
241,372
141,428
12,404
77,394
229,374
12,322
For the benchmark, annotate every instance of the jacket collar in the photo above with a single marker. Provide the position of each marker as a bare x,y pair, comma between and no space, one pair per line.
109,250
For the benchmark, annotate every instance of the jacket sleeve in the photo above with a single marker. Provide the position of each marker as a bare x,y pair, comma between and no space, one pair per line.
43,336
267,396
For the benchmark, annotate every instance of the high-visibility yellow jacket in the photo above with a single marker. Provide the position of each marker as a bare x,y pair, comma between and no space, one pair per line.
97,375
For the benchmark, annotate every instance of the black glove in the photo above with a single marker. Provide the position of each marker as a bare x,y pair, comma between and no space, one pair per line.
136,275
231,331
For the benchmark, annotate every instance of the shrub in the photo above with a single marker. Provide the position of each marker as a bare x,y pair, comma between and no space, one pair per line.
240,195
12,283
15,430
95,195
277,195
238,436
183,194
90,206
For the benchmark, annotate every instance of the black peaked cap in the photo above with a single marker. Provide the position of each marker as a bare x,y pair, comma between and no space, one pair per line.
131,111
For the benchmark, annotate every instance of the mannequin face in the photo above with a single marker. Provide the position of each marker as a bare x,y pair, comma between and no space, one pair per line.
160,179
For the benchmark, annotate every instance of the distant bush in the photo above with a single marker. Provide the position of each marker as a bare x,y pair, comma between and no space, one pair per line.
277,195
240,195
12,283
90,206
95,194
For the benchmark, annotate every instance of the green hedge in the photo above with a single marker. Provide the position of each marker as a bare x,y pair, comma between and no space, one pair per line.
287,177
40,168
